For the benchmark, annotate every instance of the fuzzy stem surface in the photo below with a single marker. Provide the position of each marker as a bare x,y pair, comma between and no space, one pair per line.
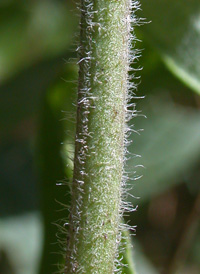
93,239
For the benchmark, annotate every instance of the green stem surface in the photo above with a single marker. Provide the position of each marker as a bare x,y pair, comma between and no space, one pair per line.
94,221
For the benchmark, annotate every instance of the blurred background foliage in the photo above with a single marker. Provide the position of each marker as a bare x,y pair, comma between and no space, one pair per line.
38,74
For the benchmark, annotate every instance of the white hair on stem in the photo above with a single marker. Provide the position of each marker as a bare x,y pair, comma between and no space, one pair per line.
104,108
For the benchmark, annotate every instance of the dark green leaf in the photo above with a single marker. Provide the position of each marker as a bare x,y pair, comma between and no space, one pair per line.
175,32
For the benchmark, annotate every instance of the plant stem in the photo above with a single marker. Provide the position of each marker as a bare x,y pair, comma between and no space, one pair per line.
100,137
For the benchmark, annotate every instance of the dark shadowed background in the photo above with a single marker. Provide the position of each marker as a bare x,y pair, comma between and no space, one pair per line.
38,73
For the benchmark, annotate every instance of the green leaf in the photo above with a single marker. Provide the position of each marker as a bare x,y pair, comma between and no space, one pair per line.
20,242
169,146
20,97
54,176
175,32
31,31
127,254
143,264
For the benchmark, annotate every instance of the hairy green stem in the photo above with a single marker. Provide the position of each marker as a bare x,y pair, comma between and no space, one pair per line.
97,187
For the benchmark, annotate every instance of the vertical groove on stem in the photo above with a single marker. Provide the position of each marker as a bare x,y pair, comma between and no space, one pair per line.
97,187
